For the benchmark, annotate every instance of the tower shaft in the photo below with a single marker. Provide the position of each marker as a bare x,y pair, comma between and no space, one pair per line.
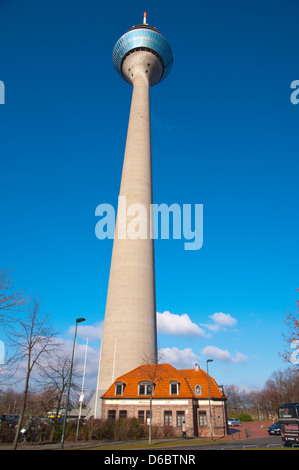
129,335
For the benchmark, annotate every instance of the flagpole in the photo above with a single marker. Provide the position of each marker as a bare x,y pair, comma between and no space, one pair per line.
82,391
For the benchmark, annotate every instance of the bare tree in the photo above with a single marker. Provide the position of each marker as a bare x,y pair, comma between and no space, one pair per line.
33,338
10,401
152,373
253,400
282,387
291,338
7,369
54,377
10,301
236,399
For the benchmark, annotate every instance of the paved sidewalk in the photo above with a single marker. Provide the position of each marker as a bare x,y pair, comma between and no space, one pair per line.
249,429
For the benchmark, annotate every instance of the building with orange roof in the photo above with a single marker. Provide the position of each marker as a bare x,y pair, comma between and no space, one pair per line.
174,396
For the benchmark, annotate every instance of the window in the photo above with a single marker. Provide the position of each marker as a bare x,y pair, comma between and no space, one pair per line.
167,418
202,418
145,388
111,415
141,416
122,413
174,388
119,388
288,411
180,417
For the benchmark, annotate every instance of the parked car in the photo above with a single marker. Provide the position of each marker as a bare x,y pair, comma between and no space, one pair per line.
11,421
234,422
274,429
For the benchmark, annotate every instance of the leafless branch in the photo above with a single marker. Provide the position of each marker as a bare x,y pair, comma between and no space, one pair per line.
33,338
11,301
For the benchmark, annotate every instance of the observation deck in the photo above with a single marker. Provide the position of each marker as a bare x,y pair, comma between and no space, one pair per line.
143,38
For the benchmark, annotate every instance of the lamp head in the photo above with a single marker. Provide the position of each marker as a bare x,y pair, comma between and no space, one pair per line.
79,320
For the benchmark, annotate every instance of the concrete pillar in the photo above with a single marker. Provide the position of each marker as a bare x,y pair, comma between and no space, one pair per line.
129,335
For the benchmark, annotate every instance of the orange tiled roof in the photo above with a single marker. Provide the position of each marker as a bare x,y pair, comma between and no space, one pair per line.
162,375
200,377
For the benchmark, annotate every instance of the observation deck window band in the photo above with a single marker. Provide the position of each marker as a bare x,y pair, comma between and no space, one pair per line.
142,49
144,26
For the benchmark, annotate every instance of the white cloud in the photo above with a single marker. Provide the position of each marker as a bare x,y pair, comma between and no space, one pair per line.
177,325
223,355
92,360
178,358
223,319
92,335
66,346
92,332
220,321
239,357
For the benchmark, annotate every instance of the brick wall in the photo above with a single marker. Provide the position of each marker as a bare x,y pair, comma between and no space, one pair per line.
190,408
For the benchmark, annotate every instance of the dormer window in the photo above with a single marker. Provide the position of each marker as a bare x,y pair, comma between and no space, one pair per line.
174,388
145,388
119,388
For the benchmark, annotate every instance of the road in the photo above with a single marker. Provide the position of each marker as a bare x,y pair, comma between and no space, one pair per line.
269,442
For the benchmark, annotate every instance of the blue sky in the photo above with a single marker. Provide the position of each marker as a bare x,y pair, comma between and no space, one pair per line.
224,134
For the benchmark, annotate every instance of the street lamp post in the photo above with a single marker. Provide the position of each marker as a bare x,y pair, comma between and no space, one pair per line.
78,320
210,411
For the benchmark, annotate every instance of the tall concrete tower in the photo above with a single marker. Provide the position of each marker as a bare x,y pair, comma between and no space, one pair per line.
143,58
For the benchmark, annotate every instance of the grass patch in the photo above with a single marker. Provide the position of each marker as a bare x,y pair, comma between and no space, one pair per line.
145,445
